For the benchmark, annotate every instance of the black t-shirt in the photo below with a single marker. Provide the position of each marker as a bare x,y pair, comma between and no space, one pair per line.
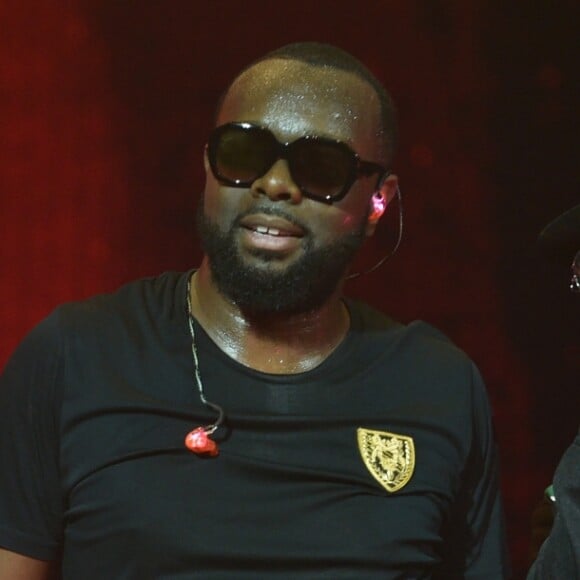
559,556
379,463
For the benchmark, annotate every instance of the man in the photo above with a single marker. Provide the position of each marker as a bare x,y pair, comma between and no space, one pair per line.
559,556
322,439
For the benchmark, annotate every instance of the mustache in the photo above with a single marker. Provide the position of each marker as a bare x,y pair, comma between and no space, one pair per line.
273,211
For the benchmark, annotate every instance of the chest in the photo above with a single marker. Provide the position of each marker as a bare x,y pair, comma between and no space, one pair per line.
291,493
295,490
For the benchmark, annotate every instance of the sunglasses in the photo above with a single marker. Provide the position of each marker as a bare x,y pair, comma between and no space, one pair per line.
324,169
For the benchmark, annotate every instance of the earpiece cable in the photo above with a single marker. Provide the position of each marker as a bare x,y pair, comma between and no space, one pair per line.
397,243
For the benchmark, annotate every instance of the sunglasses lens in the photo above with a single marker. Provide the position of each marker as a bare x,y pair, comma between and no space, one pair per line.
322,169
241,154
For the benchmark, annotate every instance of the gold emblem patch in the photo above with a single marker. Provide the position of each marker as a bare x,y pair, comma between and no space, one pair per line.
388,456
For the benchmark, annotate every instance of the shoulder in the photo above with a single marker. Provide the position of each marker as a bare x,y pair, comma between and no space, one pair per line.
108,324
567,476
417,341
419,359
134,304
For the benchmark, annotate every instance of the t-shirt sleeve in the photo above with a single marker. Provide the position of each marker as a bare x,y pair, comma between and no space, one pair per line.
30,495
475,532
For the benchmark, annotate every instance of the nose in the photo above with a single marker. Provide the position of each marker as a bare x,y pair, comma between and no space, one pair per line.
277,184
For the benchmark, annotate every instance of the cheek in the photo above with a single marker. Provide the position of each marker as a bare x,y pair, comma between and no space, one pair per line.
211,198
219,204
337,223
346,216
354,208
349,222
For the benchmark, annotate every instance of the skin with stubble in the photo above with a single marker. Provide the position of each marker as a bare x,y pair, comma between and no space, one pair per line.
303,286
273,302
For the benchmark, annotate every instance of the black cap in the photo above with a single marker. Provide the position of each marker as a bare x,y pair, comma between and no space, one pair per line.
562,235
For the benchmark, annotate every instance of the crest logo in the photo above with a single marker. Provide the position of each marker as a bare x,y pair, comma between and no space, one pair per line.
389,457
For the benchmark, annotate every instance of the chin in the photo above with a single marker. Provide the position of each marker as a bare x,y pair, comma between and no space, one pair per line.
269,261
262,281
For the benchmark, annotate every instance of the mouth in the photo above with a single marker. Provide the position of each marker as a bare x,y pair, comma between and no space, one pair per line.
270,233
272,226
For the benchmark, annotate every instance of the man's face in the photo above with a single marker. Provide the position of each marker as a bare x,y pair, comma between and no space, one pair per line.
269,234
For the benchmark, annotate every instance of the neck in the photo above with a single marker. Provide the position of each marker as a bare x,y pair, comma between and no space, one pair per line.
276,343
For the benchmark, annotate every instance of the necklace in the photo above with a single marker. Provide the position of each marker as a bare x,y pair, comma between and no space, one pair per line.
199,441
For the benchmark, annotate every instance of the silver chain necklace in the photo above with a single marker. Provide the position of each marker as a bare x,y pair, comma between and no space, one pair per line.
199,441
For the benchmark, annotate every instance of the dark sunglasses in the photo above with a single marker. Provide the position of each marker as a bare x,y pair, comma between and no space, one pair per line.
323,169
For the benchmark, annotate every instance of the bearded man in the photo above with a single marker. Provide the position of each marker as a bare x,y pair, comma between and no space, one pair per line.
246,420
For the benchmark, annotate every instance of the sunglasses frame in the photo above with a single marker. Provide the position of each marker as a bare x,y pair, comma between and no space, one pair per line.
358,166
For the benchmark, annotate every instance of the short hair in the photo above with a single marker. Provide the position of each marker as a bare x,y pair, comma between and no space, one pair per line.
327,55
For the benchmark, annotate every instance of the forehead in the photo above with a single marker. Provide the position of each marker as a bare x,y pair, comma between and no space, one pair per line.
293,99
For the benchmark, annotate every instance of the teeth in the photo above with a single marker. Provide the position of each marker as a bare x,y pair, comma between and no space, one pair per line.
269,231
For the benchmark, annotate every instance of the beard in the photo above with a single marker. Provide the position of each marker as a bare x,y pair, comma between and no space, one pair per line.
301,287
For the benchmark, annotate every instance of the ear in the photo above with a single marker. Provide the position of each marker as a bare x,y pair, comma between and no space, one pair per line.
205,159
380,200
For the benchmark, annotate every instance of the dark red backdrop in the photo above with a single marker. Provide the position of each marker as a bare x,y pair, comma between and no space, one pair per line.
105,107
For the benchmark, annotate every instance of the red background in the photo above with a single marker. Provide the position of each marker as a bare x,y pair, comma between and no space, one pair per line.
105,107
